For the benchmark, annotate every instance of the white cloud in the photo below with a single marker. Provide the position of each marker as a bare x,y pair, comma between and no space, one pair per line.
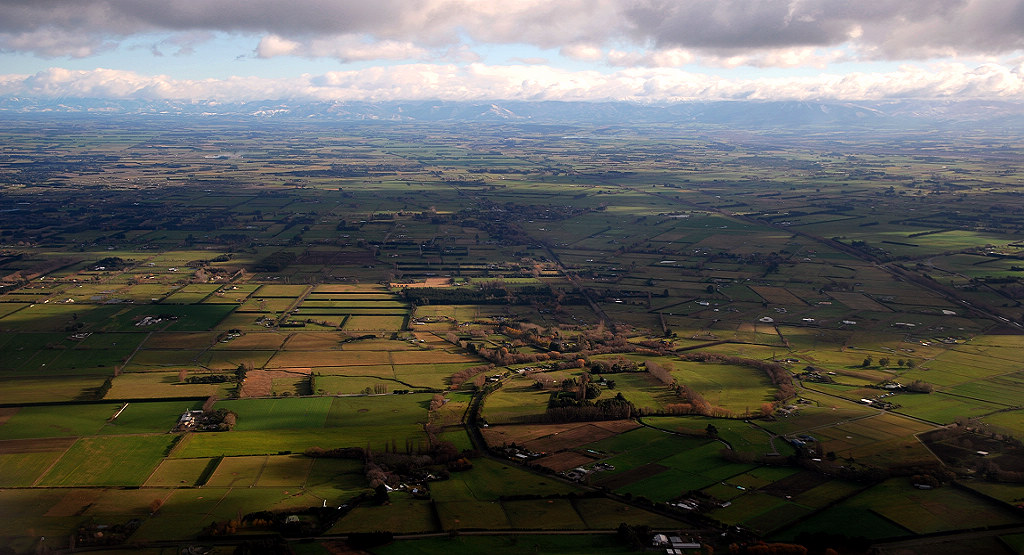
523,82
582,52
272,46
346,48
780,57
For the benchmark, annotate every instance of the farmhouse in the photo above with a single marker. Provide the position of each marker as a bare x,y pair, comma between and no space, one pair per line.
188,419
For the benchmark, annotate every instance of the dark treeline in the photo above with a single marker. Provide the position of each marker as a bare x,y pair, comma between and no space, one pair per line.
616,408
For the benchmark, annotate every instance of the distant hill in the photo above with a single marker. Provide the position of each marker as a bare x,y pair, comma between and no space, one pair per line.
760,114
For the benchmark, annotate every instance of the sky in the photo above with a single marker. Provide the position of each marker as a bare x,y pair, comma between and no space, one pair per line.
650,51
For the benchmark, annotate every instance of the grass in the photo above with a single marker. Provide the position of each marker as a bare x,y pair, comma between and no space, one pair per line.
334,385
336,480
187,317
606,514
515,400
508,545
741,436
838,519
270,442
42,389
57,421
735,388
285,471
383,412
278,414
464,515
403,515
178,472
149,417
659,466
374,323
23,469
942,409
156,385
237,472
489,480
126,502
375,421
930,511
109,461
641,389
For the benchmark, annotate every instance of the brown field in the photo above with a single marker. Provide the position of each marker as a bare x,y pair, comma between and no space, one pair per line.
315,341
74,503
255,341
633,475
429,338
320,258
179,340
6,414
380,345
795,484
280,291
565,460
361,322
430,357
429,282
556,437
374,370
9,446
777,295
580,435
858,301
260,383
873,376
300,359
343,288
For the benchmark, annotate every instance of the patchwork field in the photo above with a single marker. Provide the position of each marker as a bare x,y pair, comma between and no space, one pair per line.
494,326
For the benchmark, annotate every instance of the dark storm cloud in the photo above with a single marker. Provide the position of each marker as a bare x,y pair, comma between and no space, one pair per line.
886,28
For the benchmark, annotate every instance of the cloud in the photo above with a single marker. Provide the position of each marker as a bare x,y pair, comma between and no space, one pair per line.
879,28
183,44
50,43
582,52
346,48
531,60
718,29
524,82
672,57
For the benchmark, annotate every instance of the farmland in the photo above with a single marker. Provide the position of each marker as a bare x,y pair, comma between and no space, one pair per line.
509,328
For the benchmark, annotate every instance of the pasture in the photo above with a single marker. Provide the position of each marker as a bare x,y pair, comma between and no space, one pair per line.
928,511
57,421
278,414
109,461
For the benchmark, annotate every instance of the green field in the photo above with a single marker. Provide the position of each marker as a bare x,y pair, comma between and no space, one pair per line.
178,472
109,461
59,421
278,414
510,545
23,469
148,417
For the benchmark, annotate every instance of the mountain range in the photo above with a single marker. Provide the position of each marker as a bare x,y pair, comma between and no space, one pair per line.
990,115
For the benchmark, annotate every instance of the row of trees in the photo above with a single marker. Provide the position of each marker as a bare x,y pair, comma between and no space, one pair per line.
617,408
884,362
